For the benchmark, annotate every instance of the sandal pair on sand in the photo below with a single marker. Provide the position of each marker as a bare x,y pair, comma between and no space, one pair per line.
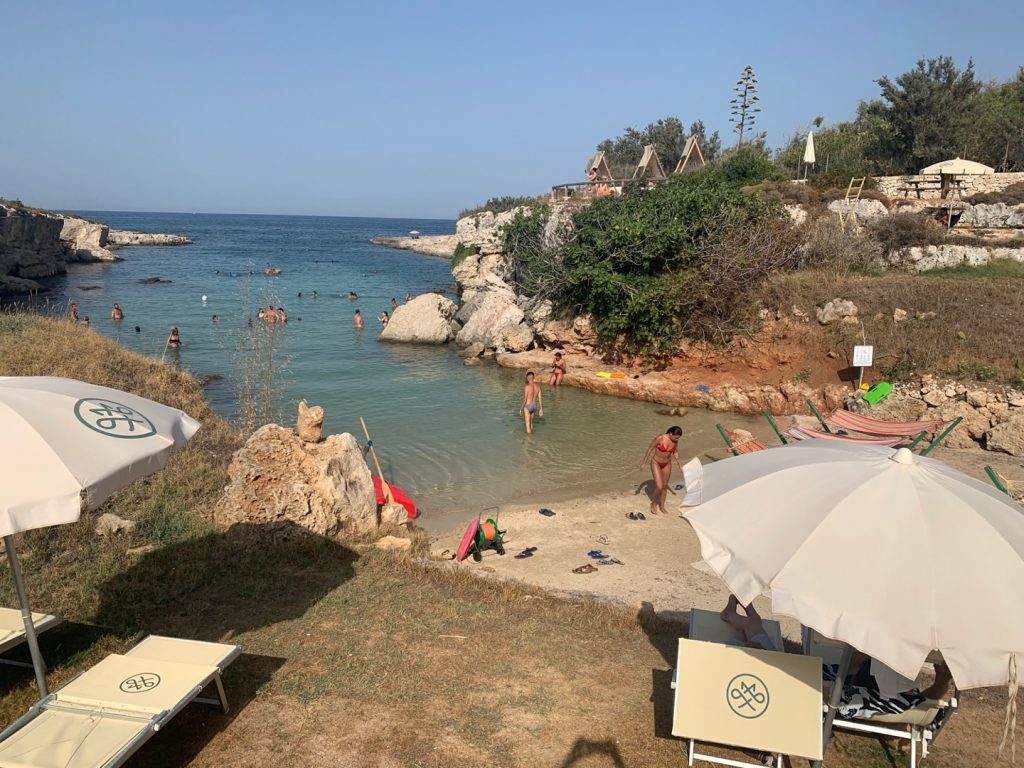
588,568
636,516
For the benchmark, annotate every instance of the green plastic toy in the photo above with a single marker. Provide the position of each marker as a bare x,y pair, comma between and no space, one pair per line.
877,393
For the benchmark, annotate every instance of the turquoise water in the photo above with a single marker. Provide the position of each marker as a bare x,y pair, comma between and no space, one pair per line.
450,435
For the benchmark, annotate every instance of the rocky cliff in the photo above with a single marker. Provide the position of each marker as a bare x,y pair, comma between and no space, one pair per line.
119,238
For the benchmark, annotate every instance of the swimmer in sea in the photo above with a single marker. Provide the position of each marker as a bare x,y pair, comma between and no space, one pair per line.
557,370
532,403
174,340
116,313
383,317
394,303
73,312
358,319
352,295
662,450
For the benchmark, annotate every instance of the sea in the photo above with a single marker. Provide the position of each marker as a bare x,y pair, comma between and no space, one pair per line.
450,435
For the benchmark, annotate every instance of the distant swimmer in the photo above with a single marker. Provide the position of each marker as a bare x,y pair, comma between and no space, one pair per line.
73,312
358,319
383,317
85,320
300,294
116,313
352,295
260,314
138,329
270,315
316,295
557,370
174,340
532,403
282,315
216,318
394,303
408,297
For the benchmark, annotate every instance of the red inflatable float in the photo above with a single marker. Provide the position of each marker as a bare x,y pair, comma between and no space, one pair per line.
398,494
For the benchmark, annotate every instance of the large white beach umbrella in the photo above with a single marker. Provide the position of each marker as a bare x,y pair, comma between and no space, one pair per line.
808,152
893,553
957,167
66,446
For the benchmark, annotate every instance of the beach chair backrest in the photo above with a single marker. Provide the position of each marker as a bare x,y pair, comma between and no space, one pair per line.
748,698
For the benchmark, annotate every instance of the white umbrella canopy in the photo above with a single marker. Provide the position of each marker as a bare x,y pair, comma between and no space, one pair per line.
67,445
957,167
809,149
892,553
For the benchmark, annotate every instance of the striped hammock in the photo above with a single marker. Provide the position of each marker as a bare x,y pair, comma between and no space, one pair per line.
806,434
743,444
843,419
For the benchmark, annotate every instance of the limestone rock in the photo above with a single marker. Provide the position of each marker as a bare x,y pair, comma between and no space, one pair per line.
109,524
427,319
514,338
473,350
484,229
971,429
393,543
899,315
934,397
472,361
865,210
899,408
837,309
85,240
394,514
492,312
977,397
278,480
13,286
309,422
992,216
1008,436
117,238
30,245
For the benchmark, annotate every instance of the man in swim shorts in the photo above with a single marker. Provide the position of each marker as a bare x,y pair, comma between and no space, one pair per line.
532,401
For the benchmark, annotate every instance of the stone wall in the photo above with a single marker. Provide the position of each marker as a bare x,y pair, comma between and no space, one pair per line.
989,182
924,258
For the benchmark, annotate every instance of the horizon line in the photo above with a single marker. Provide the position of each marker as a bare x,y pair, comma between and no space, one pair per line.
65,209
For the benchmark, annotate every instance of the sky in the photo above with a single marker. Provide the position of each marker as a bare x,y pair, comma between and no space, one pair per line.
414,109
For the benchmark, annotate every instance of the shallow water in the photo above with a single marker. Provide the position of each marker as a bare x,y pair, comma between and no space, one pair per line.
449,434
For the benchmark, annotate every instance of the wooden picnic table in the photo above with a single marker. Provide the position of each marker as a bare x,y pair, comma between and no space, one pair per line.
918,186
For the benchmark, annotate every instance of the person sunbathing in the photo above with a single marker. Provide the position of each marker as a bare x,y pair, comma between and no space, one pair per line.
749,625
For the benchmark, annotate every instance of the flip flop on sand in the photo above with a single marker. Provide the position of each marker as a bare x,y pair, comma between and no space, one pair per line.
588,568
636,516
546,512
596,554
610,561
528,552
602,539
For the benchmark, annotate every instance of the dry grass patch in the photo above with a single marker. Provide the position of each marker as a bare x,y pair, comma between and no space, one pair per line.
975,328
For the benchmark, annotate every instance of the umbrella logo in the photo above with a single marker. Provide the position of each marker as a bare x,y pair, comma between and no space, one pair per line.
747,696
114,419
144,681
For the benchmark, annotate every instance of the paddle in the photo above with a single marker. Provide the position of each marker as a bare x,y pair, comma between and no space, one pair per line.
388,496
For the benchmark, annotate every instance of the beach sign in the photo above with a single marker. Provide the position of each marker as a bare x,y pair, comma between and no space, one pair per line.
863,356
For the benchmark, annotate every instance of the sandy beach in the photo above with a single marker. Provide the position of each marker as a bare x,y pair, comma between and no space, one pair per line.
660,556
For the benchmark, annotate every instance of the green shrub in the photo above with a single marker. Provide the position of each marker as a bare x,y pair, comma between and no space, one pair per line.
903,230
462,251
502,204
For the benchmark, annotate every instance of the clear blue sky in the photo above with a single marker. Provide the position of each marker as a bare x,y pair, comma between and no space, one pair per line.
420,109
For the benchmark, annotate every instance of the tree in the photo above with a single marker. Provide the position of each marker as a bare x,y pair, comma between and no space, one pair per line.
926,110
744,104
995,134
624,152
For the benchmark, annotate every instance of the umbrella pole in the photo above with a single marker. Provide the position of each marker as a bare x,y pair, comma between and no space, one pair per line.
833,701
26,615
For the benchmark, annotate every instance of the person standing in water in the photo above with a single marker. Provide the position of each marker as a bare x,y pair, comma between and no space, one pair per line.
358,319
73,313
660,453
174,340
532,403
116,313
557,370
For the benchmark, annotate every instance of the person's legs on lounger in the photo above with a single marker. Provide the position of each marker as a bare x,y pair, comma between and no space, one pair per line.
750,625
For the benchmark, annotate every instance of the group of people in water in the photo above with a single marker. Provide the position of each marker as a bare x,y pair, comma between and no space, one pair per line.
383,318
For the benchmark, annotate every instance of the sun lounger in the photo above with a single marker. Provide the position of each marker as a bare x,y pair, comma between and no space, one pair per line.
801,433
745,698
102,716
919,725
12,630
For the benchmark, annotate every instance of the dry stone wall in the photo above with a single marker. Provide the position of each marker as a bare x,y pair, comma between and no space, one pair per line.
989,182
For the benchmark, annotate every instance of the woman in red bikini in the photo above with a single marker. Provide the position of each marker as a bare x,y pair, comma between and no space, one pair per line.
660,453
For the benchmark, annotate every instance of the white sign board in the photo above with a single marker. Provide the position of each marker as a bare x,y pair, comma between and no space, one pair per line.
862,356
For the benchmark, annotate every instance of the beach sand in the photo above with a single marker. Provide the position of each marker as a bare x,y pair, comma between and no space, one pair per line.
661,562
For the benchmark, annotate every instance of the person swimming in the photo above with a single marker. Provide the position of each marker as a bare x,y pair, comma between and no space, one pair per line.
174,340
352,295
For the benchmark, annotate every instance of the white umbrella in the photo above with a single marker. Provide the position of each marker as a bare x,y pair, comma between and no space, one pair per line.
809,149
67,446
957,167
892,553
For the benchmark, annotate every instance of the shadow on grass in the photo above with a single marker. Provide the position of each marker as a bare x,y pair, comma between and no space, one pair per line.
184,737
252,576
584,749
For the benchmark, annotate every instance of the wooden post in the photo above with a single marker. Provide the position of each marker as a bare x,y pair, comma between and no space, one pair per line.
388,497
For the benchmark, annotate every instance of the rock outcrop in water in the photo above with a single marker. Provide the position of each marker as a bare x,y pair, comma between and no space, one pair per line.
36,244
426,319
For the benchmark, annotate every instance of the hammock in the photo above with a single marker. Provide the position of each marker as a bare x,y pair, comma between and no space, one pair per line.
805,434
843,419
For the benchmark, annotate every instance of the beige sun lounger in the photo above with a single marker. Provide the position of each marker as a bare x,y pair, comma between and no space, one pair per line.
102,716
748,699
12,630
917,725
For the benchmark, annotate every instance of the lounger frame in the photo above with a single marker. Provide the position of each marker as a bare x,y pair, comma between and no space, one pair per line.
46,622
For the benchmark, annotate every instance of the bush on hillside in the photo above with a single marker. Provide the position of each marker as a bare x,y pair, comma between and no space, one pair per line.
502,204
641,263
905,230
1012,195
462,251
827,247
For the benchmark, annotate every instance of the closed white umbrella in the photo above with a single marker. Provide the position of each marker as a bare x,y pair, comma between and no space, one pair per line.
892,553
809,149
957,167
67,446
